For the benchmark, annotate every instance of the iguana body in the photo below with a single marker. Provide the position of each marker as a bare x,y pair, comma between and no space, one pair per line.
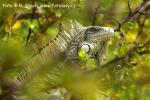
79,37
92,40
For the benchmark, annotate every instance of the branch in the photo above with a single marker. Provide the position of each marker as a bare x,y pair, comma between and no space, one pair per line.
30,30
51,19
133,15
122,60
119,25
28,15
141,26
132,51
95,15
126,58
130,11
144,52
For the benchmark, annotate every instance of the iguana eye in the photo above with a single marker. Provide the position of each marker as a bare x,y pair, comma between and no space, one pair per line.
91,30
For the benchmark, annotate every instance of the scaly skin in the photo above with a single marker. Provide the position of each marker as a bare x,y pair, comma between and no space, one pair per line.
92,39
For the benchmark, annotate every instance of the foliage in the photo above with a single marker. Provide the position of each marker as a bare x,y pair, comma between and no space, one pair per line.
123,75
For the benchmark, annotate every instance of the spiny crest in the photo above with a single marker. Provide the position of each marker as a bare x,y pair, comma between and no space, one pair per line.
65,35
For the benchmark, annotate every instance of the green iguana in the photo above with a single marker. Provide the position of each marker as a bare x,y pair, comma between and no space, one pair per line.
92,40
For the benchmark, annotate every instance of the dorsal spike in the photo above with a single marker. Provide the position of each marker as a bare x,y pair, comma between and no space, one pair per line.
78,25
63,41
61,44
68,35
75,28
64,27
64,36
71,23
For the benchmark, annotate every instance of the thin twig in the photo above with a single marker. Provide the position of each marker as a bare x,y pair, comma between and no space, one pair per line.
142,7
119,25
95,15
130,10
30,30
47,23
28,15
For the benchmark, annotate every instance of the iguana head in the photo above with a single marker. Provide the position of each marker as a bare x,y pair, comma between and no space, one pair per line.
97,34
